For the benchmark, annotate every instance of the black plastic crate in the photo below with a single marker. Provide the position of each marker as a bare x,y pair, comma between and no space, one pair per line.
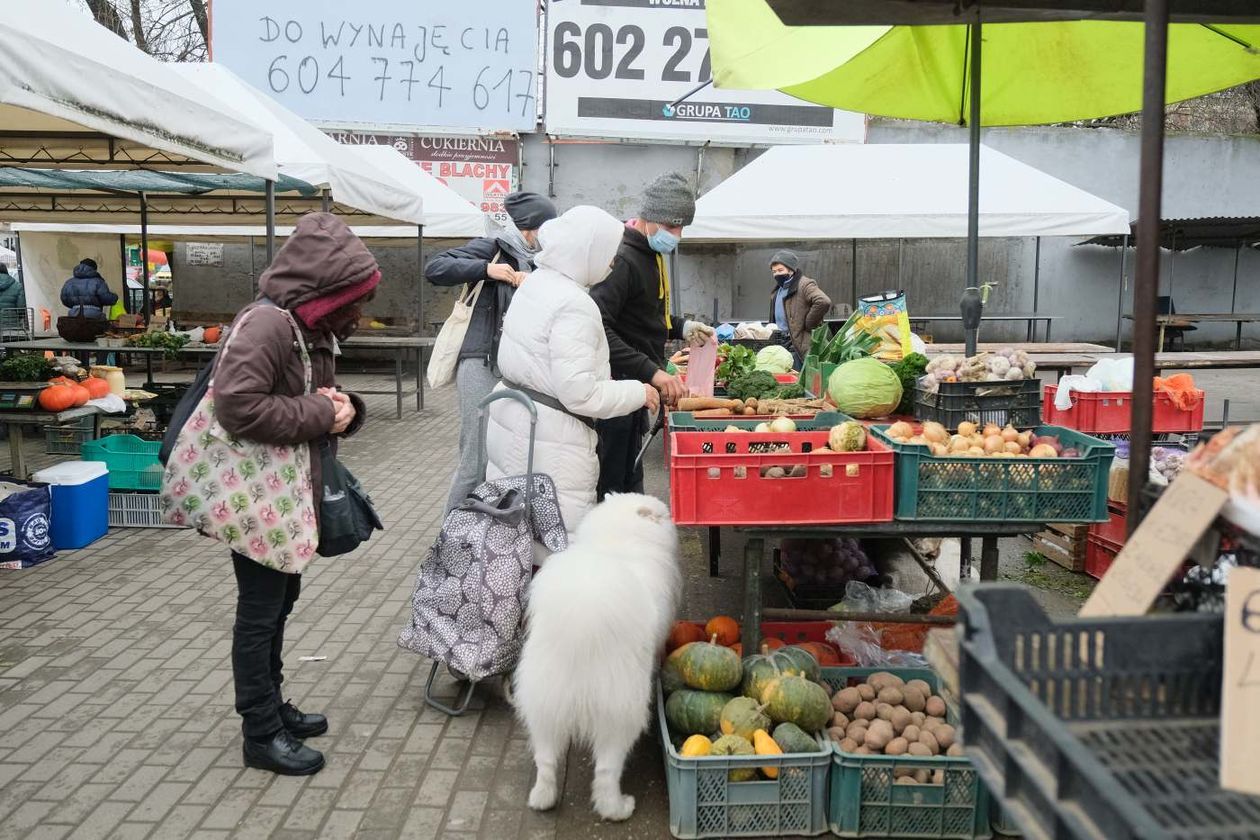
1015,403
1100,728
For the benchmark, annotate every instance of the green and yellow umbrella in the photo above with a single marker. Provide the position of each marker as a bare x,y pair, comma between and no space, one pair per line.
1032,73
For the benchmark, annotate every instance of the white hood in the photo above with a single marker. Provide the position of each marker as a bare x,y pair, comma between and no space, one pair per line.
580,244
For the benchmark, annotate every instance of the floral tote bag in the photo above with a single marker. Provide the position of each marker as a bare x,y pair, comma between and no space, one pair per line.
256,498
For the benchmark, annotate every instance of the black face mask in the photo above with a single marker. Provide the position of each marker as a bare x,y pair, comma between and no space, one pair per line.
781,279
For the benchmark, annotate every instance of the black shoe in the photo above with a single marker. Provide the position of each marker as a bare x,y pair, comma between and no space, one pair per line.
300,724
283,754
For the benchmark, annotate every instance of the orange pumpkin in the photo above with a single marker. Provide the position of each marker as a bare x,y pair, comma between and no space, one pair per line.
772,643
212,335
81,395
724,627
826,654
96,387
683,632
738,647
56,398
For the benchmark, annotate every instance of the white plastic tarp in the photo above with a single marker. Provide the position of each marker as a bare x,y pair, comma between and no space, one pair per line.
306,153
893,191
61,72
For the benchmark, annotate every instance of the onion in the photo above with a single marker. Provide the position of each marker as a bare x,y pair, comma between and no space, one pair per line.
1043,450
993,443
966,428
782,425
958,443
1012,447
935,433
901,430
763,428
1009,434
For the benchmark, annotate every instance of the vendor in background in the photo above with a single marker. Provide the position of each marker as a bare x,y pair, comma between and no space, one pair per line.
797,305
12,303
86,294
162,303
635,304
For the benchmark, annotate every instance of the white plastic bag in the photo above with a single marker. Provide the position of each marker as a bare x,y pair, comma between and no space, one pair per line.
110,404
1073,382
1113,374
860,597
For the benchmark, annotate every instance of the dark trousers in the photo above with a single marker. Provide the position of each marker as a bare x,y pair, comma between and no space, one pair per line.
620,440
264,600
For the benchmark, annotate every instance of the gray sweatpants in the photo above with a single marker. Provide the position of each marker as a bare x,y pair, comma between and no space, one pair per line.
474,381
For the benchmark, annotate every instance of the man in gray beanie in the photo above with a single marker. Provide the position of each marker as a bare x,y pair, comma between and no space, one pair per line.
500,262
635,303
797,305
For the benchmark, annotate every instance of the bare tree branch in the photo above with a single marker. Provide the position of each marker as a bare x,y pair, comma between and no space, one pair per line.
104,13
137,26
203,22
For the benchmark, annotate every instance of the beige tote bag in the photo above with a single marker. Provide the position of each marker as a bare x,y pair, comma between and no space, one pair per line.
450,339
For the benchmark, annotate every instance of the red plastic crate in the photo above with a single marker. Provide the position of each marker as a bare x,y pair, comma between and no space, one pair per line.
1108,412
715,479
1115,529
1100,553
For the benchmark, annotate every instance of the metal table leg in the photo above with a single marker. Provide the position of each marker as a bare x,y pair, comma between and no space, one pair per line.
754,550
715,549
398,366
16,461
1238,336
1048,323
988,559
419,378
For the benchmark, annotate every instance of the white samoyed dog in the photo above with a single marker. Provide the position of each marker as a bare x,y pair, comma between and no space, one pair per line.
599,614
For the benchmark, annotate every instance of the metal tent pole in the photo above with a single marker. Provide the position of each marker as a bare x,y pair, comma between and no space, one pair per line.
325,200
271,221
420,278
1036,284
147,309
1146,283
1124,255
1233,299
122,254
853,277
253,272
973,181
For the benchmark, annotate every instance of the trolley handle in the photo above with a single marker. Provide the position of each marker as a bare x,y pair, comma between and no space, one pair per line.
523,399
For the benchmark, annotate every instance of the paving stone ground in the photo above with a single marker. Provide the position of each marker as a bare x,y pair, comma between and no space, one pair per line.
116,714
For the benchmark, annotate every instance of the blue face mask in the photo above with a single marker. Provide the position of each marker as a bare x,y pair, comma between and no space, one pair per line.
663,242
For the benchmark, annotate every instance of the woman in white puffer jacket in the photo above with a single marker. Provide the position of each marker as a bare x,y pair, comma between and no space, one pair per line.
554,343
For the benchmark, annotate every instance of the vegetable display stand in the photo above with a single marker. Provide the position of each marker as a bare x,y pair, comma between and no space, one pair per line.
704,802
1003,403
1109,412
1100,728
133,463
751,478
946,488
67,439
866,801
685,421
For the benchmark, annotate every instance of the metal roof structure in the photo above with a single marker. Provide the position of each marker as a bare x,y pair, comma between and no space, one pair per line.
1186,234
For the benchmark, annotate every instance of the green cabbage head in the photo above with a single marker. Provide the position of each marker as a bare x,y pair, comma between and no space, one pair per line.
864,388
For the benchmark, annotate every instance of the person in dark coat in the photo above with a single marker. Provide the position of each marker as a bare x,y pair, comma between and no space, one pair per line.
477,373
86,293
635,303
797,305
323,275
12,299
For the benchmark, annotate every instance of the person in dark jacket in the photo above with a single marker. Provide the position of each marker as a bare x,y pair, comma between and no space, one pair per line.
12,299
86,293
635,303
797,305
323,275
477,373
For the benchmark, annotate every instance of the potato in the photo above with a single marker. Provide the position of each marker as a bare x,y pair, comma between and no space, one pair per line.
848,745
938,777
955,749
798,471
840,720
846,700
865,710
931,723
866,692
857,734
906,780
883,711
922,775
935,707
903,773
917,718
881,679
882,726
897,746
920,686
914,700
890,695
835,733
911,733
928,740
919,749
900,719
945,735
876,739
864,750
773,472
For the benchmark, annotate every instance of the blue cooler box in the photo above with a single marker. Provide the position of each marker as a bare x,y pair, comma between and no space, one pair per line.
80,502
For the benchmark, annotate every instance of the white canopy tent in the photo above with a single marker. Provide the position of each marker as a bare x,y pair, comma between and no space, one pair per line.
365,193
73,94
447,214
892,192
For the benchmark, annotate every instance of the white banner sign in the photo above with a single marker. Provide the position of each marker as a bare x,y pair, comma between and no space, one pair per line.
466,65
204,253
615,66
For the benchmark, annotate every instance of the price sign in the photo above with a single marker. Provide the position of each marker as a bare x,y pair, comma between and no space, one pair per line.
467,65
614,67
1240,693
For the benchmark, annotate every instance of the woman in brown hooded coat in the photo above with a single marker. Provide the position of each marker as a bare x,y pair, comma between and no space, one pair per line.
323,275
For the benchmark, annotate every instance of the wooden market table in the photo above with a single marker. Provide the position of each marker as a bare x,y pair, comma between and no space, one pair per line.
401,348
1032,348
1179,319
15,420
1030,320
755,550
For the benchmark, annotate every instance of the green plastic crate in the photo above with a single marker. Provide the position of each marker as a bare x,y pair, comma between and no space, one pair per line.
814,376
132,462
703,802
864,801
685,421
968,489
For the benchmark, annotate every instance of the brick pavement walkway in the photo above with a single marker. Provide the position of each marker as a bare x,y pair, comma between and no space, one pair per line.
116,715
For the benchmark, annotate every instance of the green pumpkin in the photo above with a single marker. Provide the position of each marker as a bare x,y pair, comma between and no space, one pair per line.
760,670
743,716
794,699
736,745
792,739
709,667
795,660
671,678
695,712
